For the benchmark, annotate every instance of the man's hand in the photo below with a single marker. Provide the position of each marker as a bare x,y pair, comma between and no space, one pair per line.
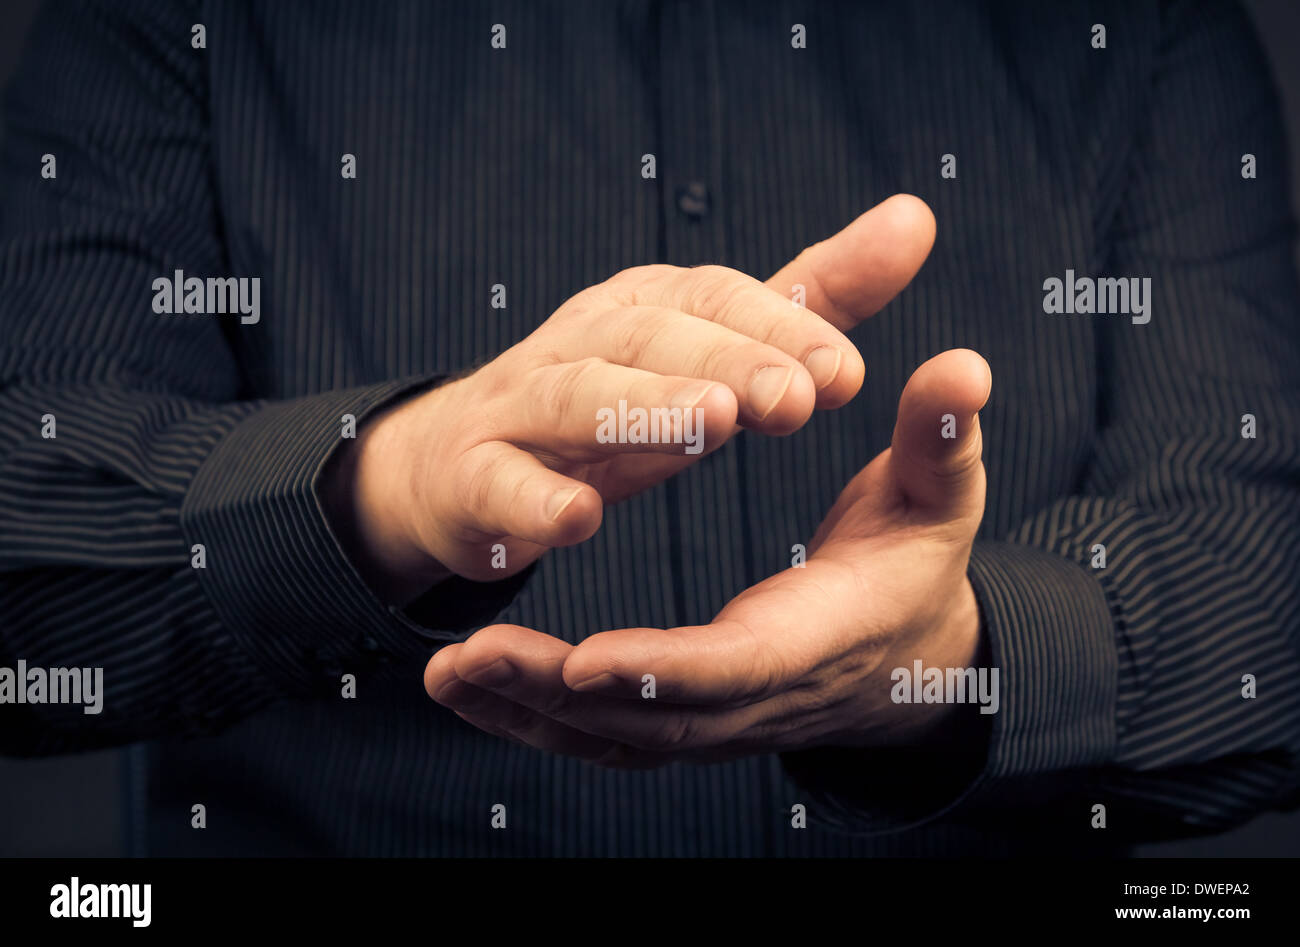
804,658
509,454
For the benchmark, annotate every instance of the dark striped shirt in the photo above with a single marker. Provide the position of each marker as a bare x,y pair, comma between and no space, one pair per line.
477,166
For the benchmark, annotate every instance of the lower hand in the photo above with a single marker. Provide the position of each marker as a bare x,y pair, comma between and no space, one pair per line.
802,659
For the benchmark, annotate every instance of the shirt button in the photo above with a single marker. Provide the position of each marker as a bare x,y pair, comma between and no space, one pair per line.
693,200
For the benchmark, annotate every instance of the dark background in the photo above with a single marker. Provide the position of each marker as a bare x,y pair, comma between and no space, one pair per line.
72,805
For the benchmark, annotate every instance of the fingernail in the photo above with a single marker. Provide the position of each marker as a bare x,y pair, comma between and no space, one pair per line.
768,388
690,396
497,674
560,501
823,363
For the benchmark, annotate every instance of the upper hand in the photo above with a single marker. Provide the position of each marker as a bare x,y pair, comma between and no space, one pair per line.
509,454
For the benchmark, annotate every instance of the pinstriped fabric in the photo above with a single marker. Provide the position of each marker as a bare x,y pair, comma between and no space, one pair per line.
522,167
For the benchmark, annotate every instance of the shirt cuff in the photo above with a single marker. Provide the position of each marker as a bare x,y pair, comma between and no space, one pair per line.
275,573
1051,632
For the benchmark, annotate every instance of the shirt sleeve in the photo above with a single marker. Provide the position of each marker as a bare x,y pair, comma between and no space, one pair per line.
1162,685
158,520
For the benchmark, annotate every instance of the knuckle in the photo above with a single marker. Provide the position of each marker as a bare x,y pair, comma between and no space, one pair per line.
719,360
714,273
476,482
631,286
675,731
717,289
520,721
487,381
556,705
514,506
766,671
578,308
634,336
563,388
646,272
806,259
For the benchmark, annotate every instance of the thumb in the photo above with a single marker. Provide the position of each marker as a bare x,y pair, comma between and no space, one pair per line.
935,455
855,273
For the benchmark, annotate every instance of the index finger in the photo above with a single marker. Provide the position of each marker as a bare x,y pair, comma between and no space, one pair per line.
770,638
724,664
745,305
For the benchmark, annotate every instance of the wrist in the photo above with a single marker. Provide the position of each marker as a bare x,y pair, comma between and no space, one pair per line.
368,492
956,641
961,644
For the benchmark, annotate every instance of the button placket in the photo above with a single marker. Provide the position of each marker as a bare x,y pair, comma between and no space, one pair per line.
703,502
